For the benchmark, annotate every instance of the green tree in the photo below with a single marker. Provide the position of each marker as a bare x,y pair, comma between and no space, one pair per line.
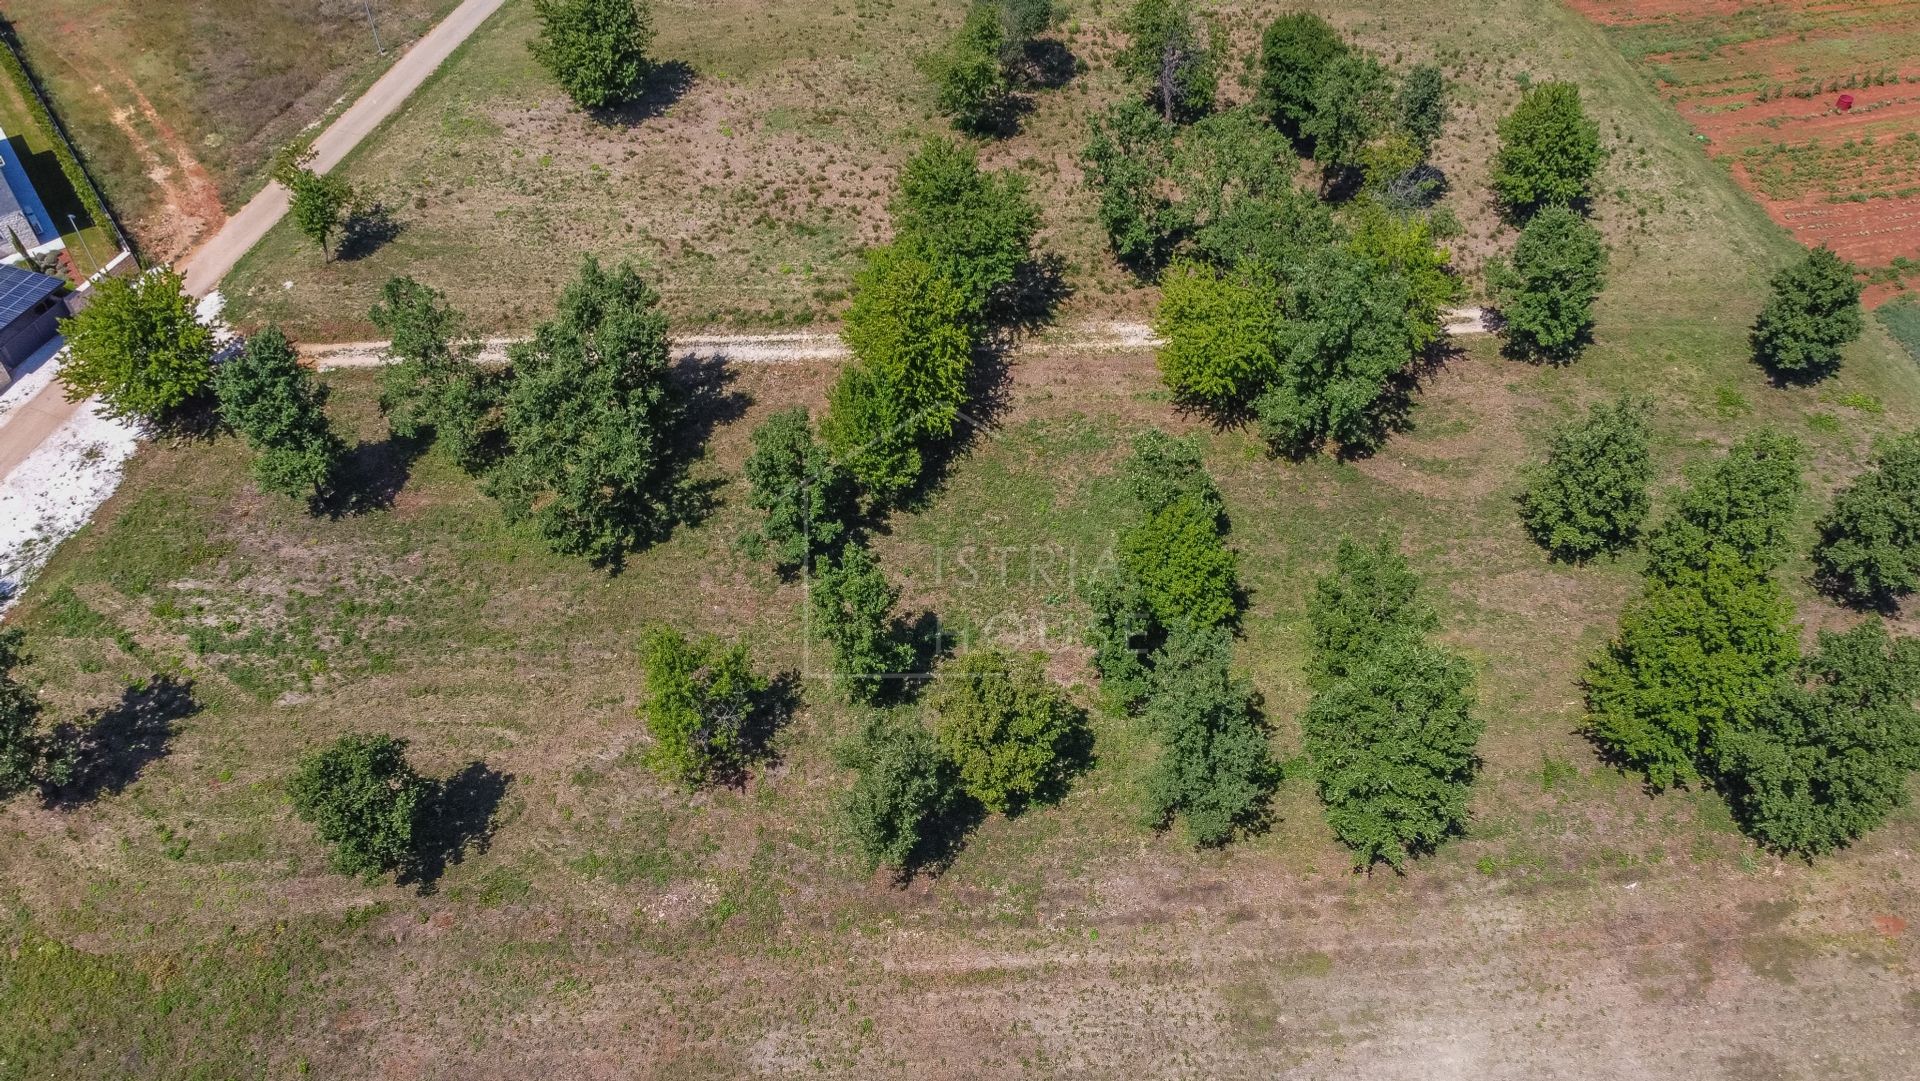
1162,469
1546,295
319,206
973,228
1128,159
1813,313
1402,245
1590,495
138,346
1392,745
1422,104
1742,505
432,385
281,411
852,608
1827,759
1187,574
1349,345
593,419
1353,104
1174,53
363,798
904,788
1869,549
809,501
699,705
1295,50
22,746
908,331
1549,150
1216,771
1009,730
1223,335
969,75
595,49
1369,600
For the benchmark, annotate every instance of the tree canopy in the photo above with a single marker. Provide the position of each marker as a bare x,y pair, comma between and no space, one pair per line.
432,387
903,791
1549,150
1813,312
1546,294
853,610
1216,772
1869,548
1009,730
280,410
364,799
1171,51
973,228
1590,495
701,697
1224,335
1296,48
139,347
809,502
595,49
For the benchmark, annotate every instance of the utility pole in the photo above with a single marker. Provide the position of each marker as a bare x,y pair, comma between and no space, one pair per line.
375,27
84,246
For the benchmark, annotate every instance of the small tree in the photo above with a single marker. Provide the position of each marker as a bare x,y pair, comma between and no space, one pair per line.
319,206
1549,150
1350,344
1223,334
1296,48
1742,505
22,745
1008,729
1422,104
853,610
592,420
1172,51
1813,313
1546,296
1216,771
699,706
1353,104
1869,549
139,347
1369,600
280,410
972,228
432,385
1128,157
1187,574
1590,496
1392,745
1403,245
969,76
903,788
363,798
810,502
1827,759
595,49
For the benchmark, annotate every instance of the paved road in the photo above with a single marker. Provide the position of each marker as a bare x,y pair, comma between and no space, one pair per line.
29,424
207,264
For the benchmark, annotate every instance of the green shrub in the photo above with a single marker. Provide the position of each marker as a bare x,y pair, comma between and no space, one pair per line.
973,228
1422,104
969,82
1549,150
595,49
1353,105
1742,504
22,745
1187,574
1223,336
1128,160
1216,771
1296,48
1813,312
1173,53
280,410
1546,294
1827,759
1369,600
1590,496
363,798
1349,345
904,789
853,610
1869,549
1009,730
138,345
809,501
699,706
432,387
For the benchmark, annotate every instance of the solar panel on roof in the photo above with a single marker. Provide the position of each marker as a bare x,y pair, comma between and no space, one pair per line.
21,289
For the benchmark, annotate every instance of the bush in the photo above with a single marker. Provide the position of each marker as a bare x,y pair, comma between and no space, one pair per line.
1402,245
1590,496
22,745
1422,104
1869,549
1549,150
903,790
1826,760
969,79
973,228
1187,574
808,500
1546,296
1353,104
593,419
1392,746
1349,345
1223,336
1813,313
1216,771
595,49
280,410
318,205
139,347
1742,505
1128,159
699,705
1368,601
1008,729
853,611
1173,53
432,386
1296,48
363,798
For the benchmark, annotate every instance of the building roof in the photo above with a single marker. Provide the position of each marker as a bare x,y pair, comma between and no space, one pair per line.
21,289
20,206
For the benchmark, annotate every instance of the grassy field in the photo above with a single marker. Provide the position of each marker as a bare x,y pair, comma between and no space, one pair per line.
180,923
177,108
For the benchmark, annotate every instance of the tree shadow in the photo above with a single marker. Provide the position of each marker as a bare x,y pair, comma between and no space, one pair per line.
1393,411
773,709
942,839
372,476
1039,287
367,230
109,750
458,819
989,395
664,84
710,403
1074,755
1046,64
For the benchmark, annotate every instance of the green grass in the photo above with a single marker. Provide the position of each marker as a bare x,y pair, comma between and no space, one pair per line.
1901,317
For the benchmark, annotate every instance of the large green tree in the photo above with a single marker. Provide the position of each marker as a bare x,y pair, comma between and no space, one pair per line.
1590,495
1549,150
595,49
1546,293
139,347
1869,549
1370,598
974,228
281,411
1353,103
1351,342
365,800
593,420
1010,731
1216,771
1813,312
1296,48
1128,163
